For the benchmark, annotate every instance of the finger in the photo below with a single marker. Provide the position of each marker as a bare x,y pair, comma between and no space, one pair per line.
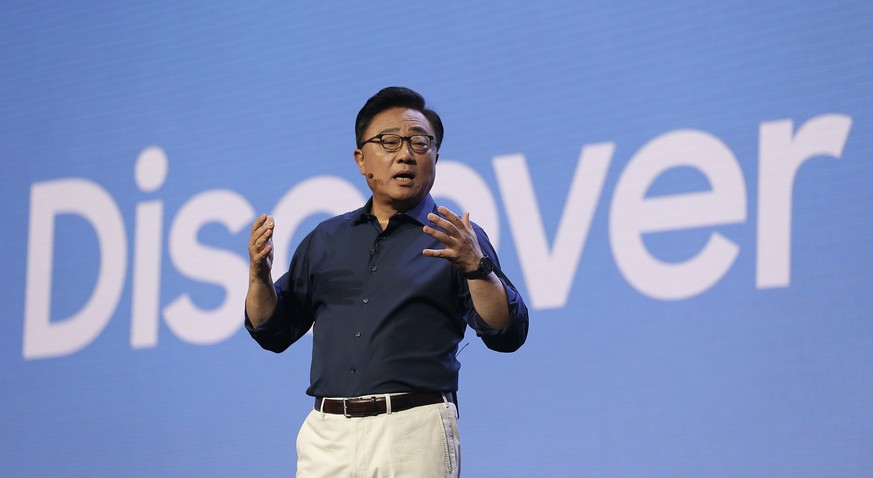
259,222
257,240
264,253
267,250
442,253
439,235
444,224
266,227
466,220
467,225
451,216
260,239
269,224
265,240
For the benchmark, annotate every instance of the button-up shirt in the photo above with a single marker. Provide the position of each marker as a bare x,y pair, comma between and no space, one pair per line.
384,317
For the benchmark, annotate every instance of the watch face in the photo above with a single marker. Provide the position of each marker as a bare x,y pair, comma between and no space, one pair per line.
486,266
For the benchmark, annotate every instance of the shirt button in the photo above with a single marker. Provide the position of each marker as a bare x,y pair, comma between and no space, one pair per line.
357,334
366,301
373,269
353,370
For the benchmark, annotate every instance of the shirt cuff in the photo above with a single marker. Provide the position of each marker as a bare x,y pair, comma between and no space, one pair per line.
513,299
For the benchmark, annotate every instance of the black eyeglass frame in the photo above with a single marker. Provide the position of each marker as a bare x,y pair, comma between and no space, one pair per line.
408,139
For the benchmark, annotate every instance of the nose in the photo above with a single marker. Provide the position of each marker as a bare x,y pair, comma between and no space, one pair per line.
405,153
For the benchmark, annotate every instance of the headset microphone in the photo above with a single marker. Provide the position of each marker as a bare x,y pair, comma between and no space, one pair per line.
369,176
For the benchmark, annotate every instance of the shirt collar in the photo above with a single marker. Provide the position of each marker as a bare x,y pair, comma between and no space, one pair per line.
422,209
418,213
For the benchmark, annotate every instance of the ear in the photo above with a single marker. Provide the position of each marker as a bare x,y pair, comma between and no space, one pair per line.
359,158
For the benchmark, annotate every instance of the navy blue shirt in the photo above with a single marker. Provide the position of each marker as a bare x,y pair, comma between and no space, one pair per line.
384,317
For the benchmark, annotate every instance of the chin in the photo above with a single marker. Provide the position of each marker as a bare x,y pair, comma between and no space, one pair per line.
410,199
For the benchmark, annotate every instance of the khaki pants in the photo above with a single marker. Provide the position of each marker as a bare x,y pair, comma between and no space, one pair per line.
420,442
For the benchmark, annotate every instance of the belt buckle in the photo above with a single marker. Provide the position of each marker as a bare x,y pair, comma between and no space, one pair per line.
372,413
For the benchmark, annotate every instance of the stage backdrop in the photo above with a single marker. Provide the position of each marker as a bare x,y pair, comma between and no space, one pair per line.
682,192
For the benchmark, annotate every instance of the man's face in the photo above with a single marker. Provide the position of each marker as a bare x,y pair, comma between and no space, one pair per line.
400,179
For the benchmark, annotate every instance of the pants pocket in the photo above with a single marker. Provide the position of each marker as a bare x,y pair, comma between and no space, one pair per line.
451,441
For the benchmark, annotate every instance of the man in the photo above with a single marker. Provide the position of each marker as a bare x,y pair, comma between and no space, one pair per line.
388,290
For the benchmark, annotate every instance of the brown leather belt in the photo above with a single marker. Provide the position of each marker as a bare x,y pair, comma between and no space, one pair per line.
376,405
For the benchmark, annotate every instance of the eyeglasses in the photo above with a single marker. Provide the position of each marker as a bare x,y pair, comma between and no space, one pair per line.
420,143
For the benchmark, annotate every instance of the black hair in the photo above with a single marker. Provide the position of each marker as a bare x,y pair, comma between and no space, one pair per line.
395,97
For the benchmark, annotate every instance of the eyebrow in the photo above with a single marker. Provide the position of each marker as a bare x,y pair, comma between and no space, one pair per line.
414,129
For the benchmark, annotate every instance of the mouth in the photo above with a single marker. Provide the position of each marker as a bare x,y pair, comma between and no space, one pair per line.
404,176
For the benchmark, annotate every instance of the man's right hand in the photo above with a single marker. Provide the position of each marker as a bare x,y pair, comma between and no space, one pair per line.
261,296
261,248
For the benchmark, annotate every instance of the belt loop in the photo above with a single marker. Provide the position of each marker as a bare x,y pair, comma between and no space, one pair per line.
446,401
388,403
321,408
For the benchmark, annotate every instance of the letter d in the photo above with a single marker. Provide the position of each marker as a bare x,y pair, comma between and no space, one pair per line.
87,199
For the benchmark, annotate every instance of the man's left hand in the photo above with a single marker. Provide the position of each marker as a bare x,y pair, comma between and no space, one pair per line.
462,246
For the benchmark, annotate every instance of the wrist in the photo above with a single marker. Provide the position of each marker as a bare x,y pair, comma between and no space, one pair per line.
260,277
484,269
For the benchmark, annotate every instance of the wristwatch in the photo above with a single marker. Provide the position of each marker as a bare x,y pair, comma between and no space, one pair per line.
486,267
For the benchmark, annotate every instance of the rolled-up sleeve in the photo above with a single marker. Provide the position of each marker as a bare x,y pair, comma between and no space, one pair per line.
290,319
513,336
